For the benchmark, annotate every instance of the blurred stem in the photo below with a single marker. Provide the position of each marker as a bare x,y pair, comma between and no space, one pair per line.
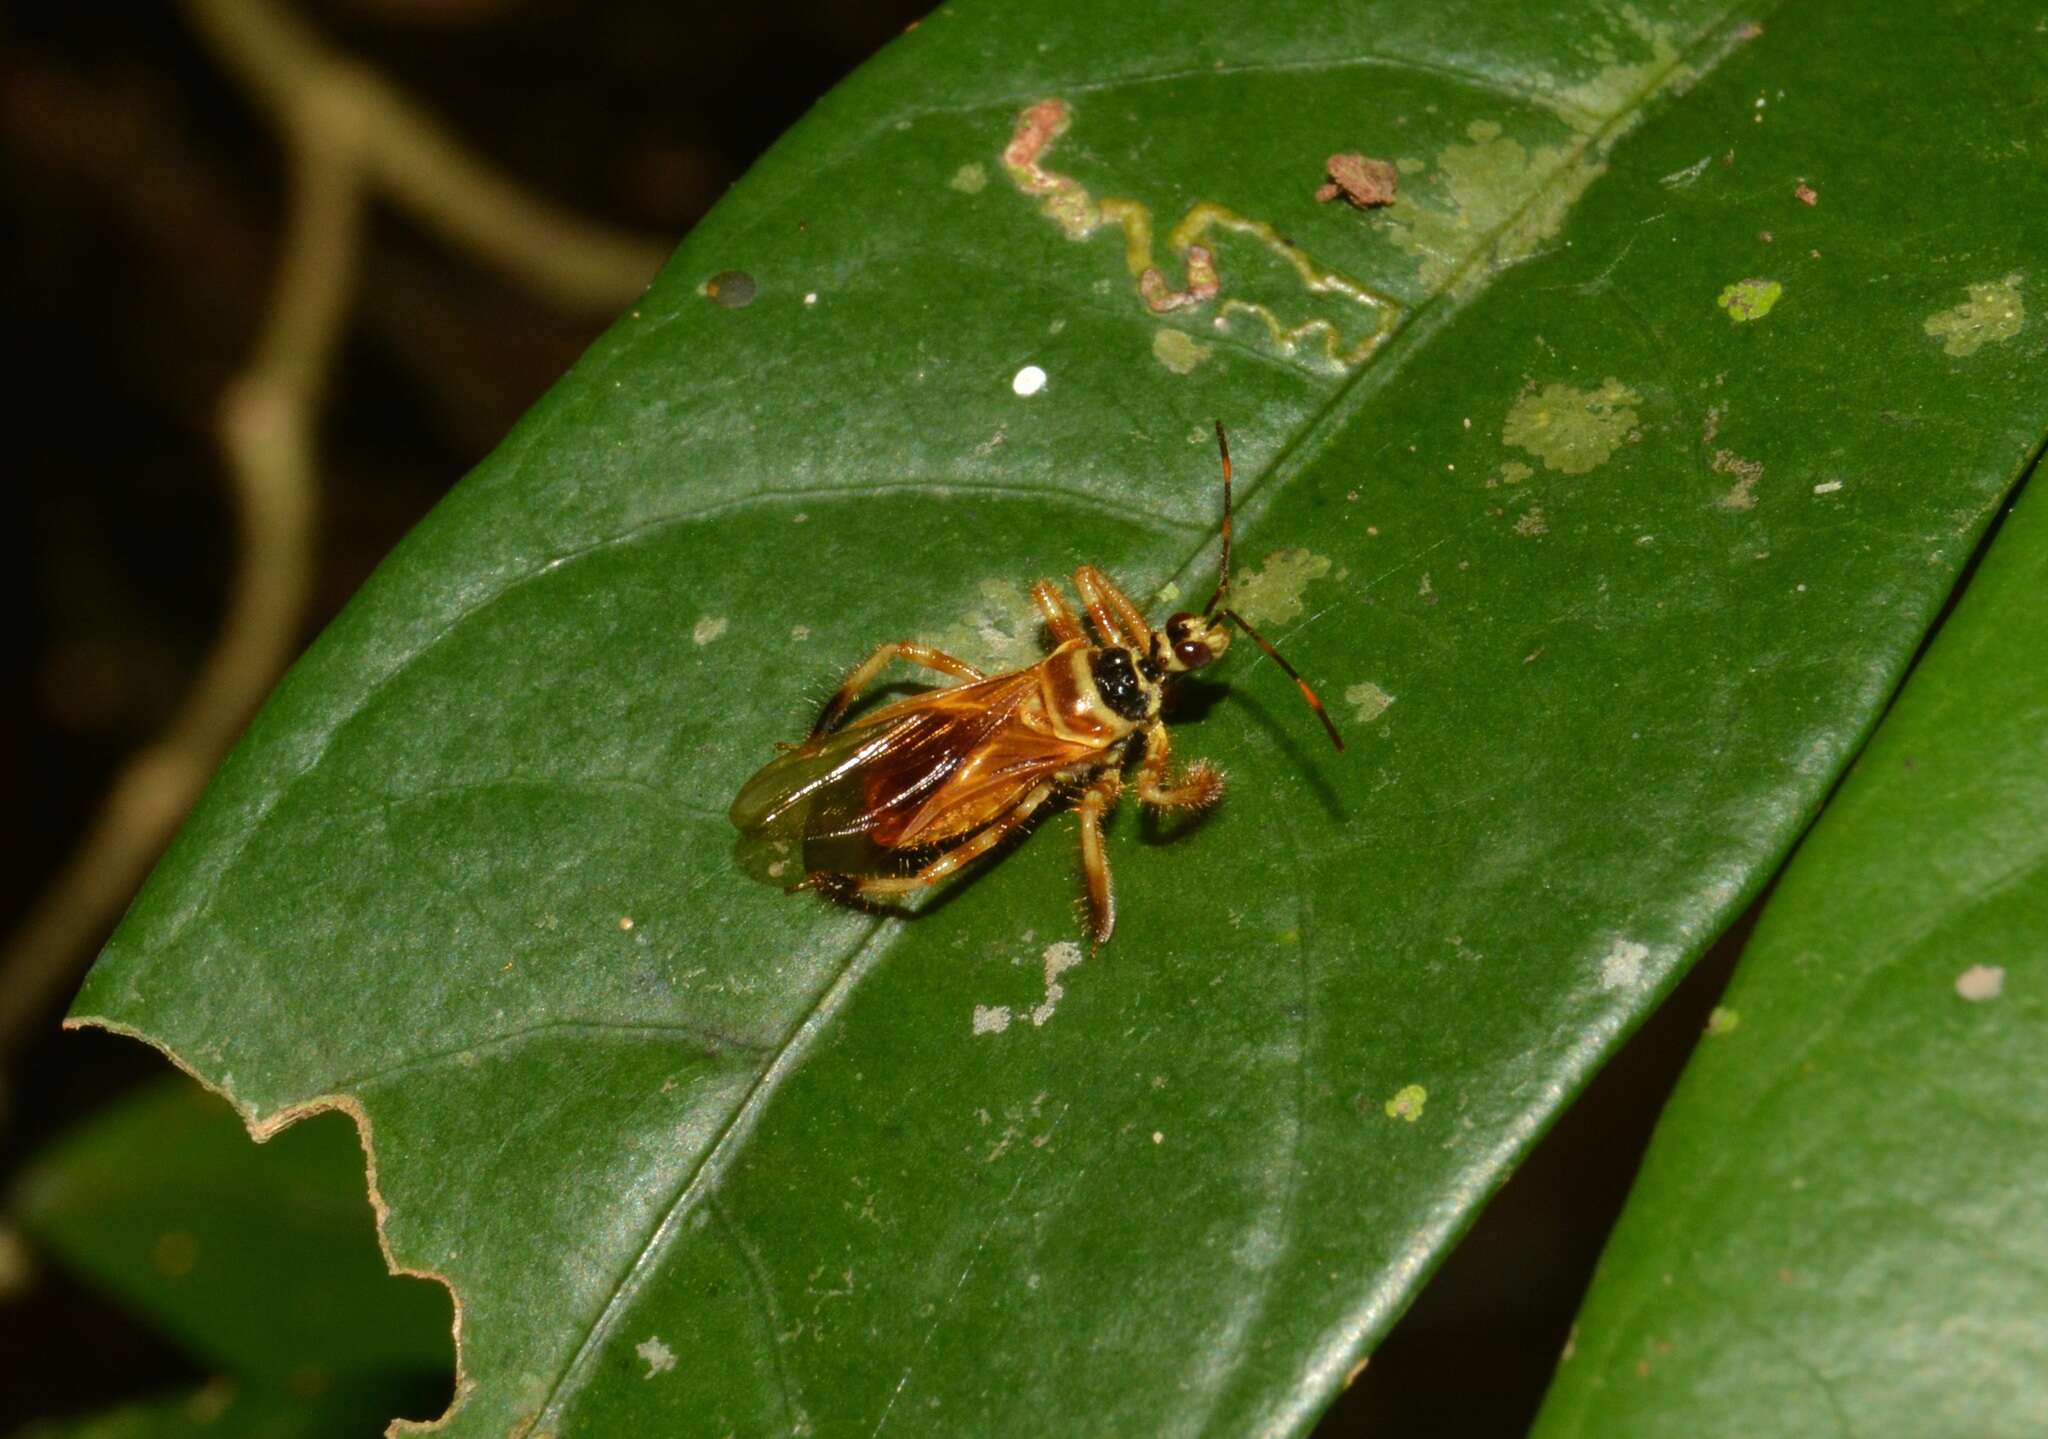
347,133
450,191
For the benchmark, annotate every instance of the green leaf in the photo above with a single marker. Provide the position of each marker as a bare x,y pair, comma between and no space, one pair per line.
1841,1226
1636,573
261,1262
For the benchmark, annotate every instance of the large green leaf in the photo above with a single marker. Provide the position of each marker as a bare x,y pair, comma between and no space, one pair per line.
1636,515
1842,1225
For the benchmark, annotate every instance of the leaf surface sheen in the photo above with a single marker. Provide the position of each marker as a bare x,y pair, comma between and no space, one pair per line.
1841,1226
700,1158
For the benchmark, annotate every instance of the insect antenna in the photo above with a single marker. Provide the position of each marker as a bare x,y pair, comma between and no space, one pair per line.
1223,570
1308,694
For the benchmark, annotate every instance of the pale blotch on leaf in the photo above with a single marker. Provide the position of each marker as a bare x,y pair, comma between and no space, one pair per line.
1992,315
1059,958
658,1357
969,179
1723,1021
1407,1103
1981,982
1479,194
1178,351
1572,430
1623,80
991,1018
1272,595
999,631
1368,701
1499,196
1747,300
708,629
1622,966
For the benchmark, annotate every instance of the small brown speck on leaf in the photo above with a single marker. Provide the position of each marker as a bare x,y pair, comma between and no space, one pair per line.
1362,181
1805,194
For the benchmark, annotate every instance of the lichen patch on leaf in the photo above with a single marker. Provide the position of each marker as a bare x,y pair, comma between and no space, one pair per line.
1623,79
658,1357
1622,966
1368,701
1571,430
1271,595
997,630
1747,300
969,179
1992,315
1495,201
1059,958
1179,352
1742,494
1475,195
1407,1103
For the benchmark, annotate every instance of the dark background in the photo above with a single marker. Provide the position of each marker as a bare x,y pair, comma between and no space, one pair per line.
144,198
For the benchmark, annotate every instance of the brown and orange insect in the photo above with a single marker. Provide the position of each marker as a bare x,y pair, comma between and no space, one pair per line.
900,798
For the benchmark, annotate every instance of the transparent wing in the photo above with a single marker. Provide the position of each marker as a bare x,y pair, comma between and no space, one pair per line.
921,772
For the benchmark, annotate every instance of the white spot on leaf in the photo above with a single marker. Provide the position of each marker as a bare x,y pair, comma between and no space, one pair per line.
658,1356
1059,958
1981,982
1622,966
1028,381
708,629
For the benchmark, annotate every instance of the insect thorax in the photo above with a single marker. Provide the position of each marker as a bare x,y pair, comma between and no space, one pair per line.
1129,685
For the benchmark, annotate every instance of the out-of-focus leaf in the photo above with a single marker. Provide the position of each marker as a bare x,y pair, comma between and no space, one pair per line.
223,1410
1842,1227
262,1262
1705,361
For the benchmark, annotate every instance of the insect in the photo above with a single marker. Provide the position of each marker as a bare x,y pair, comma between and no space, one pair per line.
904,796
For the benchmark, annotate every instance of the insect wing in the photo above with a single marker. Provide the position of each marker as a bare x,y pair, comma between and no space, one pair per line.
848,796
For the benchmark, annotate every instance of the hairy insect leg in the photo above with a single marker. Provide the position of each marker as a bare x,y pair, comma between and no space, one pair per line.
868,886
1199,786
1060,622
1095,804
867,669
1111,609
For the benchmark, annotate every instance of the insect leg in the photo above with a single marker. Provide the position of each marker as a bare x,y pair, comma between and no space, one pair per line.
867,669
946,863
1111,609
1095,803
1198,787
1059,620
